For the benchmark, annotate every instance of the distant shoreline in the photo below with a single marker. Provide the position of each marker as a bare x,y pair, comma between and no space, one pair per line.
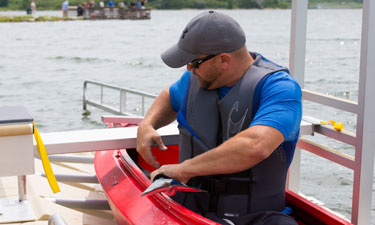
357,6
349,5
28,18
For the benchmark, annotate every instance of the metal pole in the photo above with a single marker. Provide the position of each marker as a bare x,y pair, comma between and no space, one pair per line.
101,94
297,52
97,204
22,194
56,219
75,178
143,105
297,69
84,95
70,158
364,154
122,101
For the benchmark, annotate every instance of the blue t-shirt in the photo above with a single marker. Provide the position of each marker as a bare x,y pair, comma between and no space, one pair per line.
280,106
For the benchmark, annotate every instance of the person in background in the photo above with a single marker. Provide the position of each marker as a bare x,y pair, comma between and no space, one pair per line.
239,116
121,5
64,7
132,5
33,8
111,3
79,11
86,5
92,4
101,4
138,4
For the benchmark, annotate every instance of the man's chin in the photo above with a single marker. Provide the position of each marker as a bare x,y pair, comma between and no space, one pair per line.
204,85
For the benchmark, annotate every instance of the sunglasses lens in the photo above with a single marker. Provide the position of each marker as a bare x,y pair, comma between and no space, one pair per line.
194,64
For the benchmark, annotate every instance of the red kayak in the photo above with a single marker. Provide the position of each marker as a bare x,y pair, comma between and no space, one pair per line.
119,172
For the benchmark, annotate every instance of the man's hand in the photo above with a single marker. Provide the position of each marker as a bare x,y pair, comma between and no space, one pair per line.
174,171
147,136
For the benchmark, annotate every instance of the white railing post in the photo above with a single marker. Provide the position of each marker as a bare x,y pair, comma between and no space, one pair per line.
297,69
364,154
143,105
22,190
101,94
122,101
84,95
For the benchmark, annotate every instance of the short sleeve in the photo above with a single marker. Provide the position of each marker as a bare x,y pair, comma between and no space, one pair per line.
177,91
280,105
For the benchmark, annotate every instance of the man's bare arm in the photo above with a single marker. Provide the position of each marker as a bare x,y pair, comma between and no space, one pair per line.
160,114
239,153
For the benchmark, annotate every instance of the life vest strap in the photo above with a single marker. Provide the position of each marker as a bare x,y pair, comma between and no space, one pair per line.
230,187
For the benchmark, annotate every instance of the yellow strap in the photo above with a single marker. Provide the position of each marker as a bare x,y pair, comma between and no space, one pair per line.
45,162
339,126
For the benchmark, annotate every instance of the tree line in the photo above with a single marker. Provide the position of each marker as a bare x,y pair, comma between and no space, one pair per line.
172,4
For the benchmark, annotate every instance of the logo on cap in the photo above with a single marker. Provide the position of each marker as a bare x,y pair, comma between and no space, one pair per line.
184,32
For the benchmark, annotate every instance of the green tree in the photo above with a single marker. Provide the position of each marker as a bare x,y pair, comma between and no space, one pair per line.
247,4
271,3
230,4
3,3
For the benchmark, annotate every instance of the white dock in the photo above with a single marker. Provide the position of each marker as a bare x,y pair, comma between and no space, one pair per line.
40,197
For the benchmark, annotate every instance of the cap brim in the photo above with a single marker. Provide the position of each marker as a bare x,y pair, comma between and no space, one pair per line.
176,57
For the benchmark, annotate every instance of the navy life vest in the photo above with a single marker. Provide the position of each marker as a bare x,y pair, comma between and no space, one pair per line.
206,121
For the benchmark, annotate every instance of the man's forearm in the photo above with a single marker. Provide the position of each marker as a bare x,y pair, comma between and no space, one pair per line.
161,112
239,153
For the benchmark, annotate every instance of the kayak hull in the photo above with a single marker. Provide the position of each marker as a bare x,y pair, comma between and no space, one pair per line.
123,182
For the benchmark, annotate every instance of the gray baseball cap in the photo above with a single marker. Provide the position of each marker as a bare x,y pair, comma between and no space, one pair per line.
209,33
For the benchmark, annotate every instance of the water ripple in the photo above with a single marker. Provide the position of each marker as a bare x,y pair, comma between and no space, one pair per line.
81,59
333,39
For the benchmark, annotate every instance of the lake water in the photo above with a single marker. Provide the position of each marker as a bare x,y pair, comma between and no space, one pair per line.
43,67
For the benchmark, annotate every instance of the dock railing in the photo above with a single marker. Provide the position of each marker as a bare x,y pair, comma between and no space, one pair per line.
123,93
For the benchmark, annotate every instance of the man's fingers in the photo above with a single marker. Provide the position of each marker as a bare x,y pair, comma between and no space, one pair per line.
160,143
146,137
153,174
149,158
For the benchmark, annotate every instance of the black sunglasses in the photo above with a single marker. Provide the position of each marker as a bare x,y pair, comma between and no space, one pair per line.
196,62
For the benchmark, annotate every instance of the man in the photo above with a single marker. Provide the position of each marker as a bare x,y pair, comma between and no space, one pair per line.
101,4
239,116
79,11
33,8
92,4
64,7
111,3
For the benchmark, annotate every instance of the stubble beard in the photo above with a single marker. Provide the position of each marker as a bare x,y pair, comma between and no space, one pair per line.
211,75
204,84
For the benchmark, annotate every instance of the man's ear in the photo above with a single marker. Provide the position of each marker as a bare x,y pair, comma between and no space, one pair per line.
225,60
